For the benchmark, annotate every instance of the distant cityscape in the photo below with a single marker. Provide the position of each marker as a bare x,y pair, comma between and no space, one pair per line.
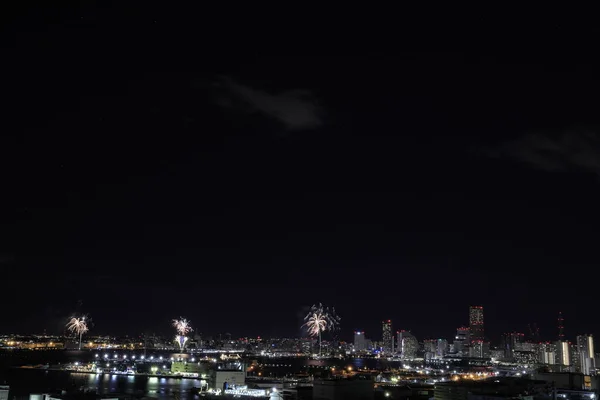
469,342
316,367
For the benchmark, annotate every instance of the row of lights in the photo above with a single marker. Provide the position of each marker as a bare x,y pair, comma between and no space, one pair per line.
141,357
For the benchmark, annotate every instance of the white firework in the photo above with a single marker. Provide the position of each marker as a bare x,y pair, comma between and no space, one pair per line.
182,326
316,322
320,319
78,326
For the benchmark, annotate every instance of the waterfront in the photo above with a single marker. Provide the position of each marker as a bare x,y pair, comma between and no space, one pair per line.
24,381
273,366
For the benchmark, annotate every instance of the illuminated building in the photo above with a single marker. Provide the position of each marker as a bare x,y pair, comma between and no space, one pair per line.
575,359
430,348
441,348
476,350
476,323
525,357
227,374
563,353
4,392
186,368
360,341
510,343
525,346
497,354
585,349
486,350
407,345
547,353
387,337
461,342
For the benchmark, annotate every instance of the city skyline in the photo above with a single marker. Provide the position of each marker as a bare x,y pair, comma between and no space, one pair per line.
345,333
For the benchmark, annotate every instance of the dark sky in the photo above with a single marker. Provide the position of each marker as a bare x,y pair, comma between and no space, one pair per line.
148,178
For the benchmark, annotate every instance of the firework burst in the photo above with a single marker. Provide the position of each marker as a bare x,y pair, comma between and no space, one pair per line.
182,326
78,326
320,319
316,322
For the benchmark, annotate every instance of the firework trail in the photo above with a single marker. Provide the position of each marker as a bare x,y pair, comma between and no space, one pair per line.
320,319
78,326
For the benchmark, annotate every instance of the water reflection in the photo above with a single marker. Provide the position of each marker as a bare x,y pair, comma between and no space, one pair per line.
26,381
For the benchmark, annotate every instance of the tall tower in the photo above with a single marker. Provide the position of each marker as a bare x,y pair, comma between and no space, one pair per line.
476,323
387,337
561,327
407,345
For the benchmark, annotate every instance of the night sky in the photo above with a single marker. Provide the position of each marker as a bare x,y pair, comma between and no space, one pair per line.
144,178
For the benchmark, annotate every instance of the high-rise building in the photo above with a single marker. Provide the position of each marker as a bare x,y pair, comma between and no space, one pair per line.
387,337
547,353
510,343
477,348
429,348
461,342
563,353
525,346
407,345
360,341
476,323
585,350
441,348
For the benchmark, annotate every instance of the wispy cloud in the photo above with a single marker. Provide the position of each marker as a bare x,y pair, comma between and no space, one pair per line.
296,109
579,150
